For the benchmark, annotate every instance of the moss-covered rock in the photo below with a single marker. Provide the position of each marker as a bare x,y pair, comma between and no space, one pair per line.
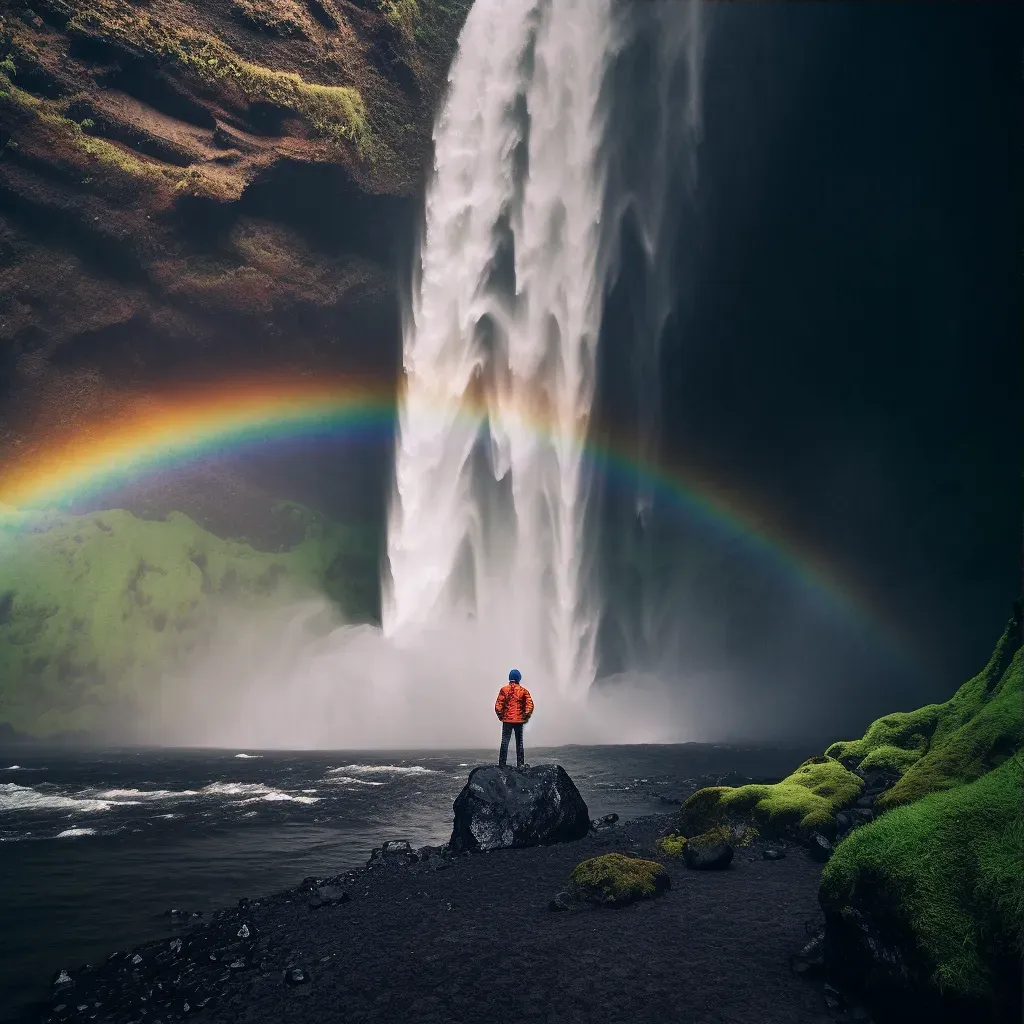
945,745
674,845
941,882
804,802
613,880
94,608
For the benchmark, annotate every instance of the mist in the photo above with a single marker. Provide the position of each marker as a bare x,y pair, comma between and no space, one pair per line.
298,677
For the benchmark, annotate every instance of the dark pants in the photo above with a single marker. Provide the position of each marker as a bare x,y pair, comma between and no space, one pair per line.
507,728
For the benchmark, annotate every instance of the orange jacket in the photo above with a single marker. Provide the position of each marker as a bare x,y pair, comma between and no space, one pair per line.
514,704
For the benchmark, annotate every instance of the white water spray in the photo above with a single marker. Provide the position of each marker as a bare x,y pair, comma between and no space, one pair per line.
490,492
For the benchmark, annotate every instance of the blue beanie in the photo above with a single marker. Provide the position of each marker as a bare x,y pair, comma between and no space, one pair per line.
514,676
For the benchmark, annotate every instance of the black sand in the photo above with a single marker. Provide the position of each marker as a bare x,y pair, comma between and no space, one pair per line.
476,943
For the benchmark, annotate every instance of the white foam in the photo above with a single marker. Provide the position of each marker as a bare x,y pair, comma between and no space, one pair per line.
72,833
249,757
343,780
22,798
276,796
13,768
134,795
235,789
385,769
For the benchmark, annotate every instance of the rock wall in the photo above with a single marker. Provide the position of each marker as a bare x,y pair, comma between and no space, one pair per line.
197,188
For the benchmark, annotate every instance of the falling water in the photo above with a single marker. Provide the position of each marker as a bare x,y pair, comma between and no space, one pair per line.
493,518
488,515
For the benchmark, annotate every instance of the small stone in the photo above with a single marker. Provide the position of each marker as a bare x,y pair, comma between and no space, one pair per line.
62,979
136,959
243,932
295,976
819,848
561,901
772,853
176,946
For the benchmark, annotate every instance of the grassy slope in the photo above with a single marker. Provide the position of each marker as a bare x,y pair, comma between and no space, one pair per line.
949,851
93,606
945,745
952,862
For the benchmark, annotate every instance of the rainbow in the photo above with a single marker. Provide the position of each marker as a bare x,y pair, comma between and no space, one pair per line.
178,429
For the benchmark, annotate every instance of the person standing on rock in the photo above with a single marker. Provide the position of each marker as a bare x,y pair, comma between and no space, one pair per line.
513,708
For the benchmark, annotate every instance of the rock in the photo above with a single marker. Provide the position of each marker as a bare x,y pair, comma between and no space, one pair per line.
833,998
296,976
861,815
394,853
614,880
772,853
810,960
842,821
819,848
561,901
502,808
865,801
707,857
328,896
606,822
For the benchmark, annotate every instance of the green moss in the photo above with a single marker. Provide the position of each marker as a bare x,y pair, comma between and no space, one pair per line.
64,133
671,845
952,863
403,14
335,112
805,801
614,879
97,606
945,745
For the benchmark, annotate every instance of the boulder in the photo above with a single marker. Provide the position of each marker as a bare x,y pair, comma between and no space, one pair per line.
614,880
504,808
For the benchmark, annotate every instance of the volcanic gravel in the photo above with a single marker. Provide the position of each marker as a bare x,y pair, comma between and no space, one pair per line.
472,940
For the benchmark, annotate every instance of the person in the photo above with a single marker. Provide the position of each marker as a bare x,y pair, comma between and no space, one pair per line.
513,708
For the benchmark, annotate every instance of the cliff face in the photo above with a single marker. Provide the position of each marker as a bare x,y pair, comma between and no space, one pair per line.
200,188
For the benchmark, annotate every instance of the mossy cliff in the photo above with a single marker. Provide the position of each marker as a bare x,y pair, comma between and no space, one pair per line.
196,189
94,608
924,902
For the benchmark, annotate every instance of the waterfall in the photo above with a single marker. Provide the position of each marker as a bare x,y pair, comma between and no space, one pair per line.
489,507
493,533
